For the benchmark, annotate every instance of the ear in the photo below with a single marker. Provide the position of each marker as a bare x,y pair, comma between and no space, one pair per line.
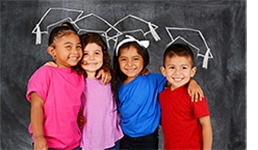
193,71
163,71
51,51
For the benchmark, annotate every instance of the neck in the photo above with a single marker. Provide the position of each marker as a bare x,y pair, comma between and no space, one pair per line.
127,80
91,75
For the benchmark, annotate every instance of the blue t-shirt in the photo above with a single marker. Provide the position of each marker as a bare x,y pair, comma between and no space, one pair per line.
139,106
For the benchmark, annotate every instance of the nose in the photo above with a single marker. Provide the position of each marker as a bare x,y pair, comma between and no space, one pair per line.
91,57
76,50
129,62
177,71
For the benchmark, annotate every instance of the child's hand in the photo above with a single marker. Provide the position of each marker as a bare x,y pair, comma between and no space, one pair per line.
50,63
195,91
40,143
105,76
81,120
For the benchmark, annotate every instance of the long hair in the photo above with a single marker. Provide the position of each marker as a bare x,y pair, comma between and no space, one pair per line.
91,37
118,76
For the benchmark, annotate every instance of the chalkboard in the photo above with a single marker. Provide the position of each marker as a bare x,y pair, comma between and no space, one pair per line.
215,29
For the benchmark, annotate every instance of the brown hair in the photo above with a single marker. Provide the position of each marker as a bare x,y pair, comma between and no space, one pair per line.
91,37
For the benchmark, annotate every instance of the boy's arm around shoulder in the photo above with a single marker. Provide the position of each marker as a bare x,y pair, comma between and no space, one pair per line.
37,121
206,132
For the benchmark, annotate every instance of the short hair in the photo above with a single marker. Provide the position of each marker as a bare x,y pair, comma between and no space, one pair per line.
178,50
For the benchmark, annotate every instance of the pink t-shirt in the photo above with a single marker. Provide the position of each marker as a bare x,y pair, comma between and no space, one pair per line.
61,90
102,128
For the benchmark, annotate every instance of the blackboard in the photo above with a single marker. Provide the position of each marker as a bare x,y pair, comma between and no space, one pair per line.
222,23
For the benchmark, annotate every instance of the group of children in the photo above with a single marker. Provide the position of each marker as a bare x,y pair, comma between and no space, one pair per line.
123,114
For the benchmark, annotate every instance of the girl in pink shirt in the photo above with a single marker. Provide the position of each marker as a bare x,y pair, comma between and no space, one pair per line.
102,129
55,92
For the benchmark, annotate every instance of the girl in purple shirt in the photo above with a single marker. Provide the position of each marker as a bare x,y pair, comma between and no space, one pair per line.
102,129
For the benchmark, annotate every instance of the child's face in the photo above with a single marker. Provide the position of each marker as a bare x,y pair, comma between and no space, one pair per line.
178,70
67,50
130,62
92,58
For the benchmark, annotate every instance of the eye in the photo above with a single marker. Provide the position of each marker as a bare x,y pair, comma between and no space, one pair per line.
136,58
97,53
171,67
78,46
68,46
184,67
85,53
122,59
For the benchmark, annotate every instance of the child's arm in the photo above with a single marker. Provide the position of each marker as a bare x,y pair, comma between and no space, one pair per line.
194,90
105,76
206,132
37,119
81,120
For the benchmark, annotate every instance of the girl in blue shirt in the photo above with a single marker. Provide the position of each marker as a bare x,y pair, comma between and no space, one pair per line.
137,94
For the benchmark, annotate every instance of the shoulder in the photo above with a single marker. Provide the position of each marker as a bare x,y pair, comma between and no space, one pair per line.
41,72
152,76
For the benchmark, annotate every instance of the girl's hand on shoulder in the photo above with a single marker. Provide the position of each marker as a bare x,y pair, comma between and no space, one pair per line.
105,76
50,63
195,91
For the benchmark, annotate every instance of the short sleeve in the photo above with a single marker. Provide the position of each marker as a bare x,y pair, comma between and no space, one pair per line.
201,108
160,80
39,83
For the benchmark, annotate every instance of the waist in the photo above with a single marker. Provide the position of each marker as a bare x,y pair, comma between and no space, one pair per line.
154,134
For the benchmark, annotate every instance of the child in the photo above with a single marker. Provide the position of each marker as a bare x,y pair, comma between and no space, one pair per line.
137,95
102,129
185,125
55,93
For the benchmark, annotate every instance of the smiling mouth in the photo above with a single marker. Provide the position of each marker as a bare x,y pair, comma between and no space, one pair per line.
177,79
73,58
130,70
91,63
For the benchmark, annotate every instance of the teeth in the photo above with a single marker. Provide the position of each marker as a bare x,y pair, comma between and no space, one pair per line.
73,58
130,70
177,79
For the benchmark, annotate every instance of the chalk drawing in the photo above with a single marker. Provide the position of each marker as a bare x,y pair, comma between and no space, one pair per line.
147,28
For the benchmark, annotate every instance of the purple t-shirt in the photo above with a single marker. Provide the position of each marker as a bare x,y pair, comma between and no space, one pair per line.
102,128
61,90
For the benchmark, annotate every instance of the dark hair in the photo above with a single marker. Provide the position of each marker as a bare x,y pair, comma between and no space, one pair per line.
118,76
65,29
60,31
178,50
91,37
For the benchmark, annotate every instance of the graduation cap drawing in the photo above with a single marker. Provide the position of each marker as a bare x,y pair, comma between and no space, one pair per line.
53,17
193,38
132,25
94,23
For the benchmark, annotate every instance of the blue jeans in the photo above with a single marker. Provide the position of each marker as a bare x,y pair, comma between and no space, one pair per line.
116,147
